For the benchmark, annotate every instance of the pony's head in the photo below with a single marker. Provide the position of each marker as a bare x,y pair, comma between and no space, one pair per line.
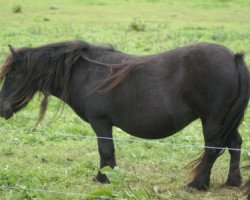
17,88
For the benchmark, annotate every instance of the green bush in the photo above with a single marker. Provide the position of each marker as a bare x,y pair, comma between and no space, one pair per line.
17,9
137,25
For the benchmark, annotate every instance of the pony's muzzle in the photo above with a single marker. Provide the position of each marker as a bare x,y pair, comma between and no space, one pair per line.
5,109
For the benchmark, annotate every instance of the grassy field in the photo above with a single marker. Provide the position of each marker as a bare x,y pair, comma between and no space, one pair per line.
59,160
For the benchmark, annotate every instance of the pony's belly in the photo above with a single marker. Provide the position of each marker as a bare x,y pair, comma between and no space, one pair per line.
156,129
152,135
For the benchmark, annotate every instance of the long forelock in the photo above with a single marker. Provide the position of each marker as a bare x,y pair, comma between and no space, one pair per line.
6,67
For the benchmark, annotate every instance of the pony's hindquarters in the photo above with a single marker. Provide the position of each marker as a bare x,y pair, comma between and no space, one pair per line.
221,118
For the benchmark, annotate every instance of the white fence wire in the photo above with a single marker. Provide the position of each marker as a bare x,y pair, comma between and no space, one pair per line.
155,141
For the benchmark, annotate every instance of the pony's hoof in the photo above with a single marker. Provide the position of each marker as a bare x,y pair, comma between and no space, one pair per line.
198,186
233,183
101,178
188,188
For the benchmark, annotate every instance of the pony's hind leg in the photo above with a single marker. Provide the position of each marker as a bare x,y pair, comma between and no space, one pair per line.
202,170
234,177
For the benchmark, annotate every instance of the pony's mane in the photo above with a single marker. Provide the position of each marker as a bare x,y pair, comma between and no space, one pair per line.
54,50
51,64
61,48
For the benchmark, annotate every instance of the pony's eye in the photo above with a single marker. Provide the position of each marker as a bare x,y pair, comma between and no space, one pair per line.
10,77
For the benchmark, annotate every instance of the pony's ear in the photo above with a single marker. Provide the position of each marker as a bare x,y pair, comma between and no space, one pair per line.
12,50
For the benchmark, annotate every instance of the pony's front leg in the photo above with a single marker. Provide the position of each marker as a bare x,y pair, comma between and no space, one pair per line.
103,130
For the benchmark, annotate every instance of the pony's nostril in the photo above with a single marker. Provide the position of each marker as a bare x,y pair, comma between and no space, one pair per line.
8,113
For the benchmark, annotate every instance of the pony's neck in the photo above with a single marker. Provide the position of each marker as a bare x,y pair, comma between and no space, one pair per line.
57,92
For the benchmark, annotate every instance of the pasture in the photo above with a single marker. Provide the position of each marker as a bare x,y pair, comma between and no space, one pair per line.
60,158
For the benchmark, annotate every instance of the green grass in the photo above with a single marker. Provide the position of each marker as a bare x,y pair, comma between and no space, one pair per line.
61,157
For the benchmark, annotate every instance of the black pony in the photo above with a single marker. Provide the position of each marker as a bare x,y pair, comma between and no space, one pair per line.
147,96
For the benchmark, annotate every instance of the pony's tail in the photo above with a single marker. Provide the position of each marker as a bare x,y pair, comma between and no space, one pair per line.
240,62
235,113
